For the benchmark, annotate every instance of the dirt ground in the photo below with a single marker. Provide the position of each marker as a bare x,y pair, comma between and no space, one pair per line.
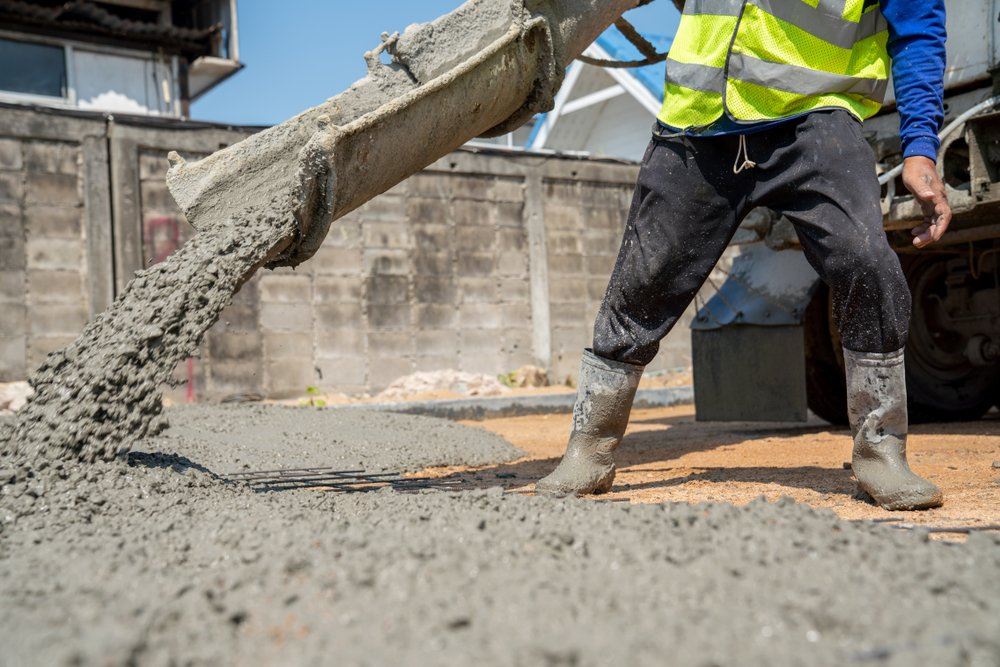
669,457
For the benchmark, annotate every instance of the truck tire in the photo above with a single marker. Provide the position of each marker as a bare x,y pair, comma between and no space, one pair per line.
826,389
942,384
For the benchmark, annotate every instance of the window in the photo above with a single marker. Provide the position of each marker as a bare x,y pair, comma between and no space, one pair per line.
32,69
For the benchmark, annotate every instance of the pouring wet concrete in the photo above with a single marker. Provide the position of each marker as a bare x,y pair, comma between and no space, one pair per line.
154,560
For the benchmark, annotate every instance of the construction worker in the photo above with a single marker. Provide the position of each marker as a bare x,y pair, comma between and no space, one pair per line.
763,107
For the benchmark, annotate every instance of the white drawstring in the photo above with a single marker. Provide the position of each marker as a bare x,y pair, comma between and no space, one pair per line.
743,154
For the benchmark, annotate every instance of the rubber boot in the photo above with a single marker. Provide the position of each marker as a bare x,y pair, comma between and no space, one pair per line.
600,415
876,405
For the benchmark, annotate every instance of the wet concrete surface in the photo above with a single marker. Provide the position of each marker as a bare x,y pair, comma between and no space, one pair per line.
154,561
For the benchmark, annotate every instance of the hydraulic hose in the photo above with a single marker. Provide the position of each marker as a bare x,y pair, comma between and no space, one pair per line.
945,133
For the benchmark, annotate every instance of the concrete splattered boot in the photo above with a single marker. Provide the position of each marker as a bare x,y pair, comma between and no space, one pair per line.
876,405
600,415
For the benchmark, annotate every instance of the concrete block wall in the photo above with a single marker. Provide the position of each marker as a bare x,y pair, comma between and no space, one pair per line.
485,261
53,266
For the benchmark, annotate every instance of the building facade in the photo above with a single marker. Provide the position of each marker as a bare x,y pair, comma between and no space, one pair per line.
143,57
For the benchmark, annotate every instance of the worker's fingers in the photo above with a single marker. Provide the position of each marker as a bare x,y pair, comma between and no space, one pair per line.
936,210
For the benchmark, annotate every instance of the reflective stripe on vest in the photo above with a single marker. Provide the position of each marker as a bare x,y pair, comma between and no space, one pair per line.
782,57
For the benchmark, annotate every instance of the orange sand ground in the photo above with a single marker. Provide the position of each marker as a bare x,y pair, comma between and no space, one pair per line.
668,456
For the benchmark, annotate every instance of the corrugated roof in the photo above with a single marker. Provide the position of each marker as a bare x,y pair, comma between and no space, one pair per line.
86,16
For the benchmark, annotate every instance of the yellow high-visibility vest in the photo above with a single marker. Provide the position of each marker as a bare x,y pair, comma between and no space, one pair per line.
757,60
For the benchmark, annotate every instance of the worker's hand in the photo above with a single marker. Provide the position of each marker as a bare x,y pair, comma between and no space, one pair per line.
921,178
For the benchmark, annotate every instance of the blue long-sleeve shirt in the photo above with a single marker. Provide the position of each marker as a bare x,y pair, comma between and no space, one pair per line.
917,47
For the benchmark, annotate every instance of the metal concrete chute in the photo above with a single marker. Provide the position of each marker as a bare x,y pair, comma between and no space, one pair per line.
482,70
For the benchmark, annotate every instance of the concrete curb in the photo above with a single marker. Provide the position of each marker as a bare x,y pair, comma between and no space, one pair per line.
516,406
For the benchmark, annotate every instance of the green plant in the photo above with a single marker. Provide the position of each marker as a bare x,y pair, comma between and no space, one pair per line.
313,400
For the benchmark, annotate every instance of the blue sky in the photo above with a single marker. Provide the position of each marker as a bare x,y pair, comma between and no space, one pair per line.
301,52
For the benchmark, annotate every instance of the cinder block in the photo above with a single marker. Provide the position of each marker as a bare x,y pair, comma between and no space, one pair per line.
153,166
345,233
52,189
601,243
286,316
339,316
235,376
10,154
389,317
425,212
383,371
283,288
480,316
382,234
342,374
599,265
466,213
571,340
49,253
567,314
13,358
337,289
478,290
390,343
515,289
596,287
561,217
478,264
340,342
54,221
513,263
435,315
288,378
387,261
480,352
567,289
234,347
434,289
430,185
566,190
437,342
508,214
432,263
13,255
387,290
432,237
156,197
288,345
42,346
334,260
602,217
566,263
56,318
475,239
12,287
11,186
385,207
507,188
14,320
512,240
424,364
563,243
514,315
46,286
238,318
51,157
472,186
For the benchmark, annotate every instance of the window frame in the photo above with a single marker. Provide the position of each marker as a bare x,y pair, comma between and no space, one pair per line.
69,47
67,100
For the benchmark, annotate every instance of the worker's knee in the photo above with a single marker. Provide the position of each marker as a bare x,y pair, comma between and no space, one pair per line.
871,298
